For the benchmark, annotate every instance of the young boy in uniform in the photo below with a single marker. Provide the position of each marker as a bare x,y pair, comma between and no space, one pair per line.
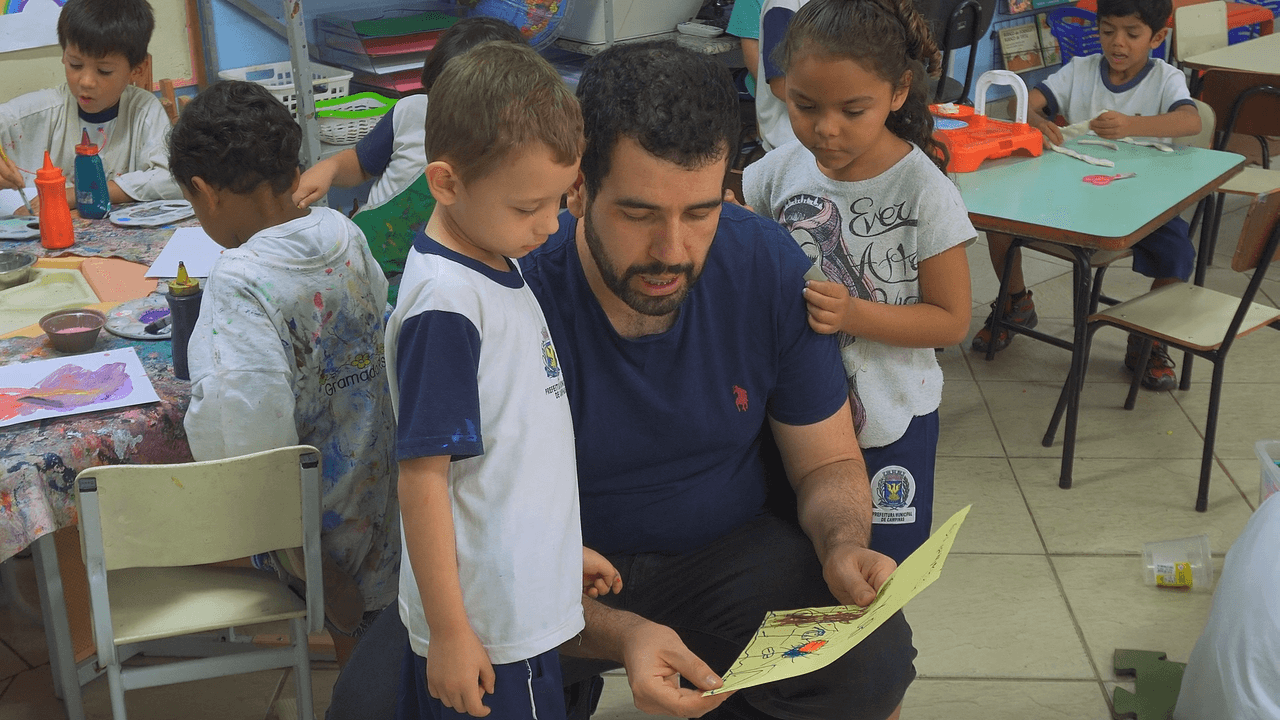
1122,92
488,476
288,348
104,49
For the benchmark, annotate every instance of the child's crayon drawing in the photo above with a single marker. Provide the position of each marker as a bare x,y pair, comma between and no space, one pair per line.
60,386
795,642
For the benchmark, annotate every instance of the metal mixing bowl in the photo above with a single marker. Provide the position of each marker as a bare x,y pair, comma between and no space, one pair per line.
15,267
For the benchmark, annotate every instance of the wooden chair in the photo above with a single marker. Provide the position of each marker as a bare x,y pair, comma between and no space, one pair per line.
1201,321
1254,110
148,533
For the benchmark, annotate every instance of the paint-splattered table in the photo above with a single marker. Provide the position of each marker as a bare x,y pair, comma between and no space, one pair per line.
40,459
99,238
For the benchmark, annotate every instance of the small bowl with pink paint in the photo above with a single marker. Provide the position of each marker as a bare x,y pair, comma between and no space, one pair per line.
73,331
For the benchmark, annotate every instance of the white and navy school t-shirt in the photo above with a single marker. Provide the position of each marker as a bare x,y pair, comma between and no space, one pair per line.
1081,90
394,151
476,377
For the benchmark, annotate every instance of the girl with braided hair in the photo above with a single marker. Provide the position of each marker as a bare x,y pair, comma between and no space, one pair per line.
854,85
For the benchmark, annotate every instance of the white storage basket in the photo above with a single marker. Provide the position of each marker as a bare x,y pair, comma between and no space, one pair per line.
327,82
343,121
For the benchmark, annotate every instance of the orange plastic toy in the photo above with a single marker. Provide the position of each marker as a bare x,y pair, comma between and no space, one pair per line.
972,137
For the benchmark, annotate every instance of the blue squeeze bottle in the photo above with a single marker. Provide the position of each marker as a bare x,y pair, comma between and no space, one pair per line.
92,197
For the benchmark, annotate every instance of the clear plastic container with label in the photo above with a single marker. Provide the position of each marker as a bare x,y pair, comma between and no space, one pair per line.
1183,564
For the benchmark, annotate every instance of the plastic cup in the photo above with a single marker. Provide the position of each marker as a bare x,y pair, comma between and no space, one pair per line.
1184,564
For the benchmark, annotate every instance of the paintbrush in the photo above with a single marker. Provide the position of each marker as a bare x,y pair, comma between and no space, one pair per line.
21,191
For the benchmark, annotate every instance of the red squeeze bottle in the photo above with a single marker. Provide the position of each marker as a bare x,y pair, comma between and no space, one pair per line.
55,215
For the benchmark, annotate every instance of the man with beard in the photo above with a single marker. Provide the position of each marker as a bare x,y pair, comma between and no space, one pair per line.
687,354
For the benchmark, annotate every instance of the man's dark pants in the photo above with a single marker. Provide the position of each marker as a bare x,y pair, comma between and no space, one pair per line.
715,598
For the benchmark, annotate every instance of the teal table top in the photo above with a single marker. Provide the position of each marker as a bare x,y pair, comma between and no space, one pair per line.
1046,197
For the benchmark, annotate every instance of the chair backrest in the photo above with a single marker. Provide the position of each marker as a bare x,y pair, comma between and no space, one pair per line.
1258,115
1261,229
1203,139
1199,28
197,513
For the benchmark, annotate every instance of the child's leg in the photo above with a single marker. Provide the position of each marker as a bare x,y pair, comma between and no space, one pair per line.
902,488
1167,257
523,690
998,246
1019,309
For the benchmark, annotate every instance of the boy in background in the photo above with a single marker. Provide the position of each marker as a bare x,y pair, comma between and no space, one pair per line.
104,49
393,153
1122,92
488,476
288,348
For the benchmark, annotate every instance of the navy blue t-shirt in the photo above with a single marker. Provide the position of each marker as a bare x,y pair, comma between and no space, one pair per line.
668,426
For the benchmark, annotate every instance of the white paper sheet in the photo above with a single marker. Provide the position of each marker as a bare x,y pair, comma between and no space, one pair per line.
193,247
73,385
28,25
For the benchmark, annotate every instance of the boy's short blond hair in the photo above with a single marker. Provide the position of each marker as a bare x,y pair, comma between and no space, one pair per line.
496,98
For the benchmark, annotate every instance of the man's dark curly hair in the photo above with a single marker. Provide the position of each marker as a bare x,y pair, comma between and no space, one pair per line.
680,105
1153,13
235,135
102,27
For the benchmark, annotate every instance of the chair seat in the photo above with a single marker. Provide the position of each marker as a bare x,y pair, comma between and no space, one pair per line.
153,603
1186,315
1098,259
1252,181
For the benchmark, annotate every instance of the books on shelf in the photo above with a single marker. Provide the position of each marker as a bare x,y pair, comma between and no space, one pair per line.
1049,49
1020,48
1029,46
1019,6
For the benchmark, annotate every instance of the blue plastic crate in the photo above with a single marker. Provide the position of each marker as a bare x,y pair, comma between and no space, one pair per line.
1076,31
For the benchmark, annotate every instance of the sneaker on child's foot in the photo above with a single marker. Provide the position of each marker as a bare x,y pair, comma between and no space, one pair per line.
1020,311
1159,374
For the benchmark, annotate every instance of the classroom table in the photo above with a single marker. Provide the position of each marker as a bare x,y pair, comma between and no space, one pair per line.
1259,55
41,459
1239,14
1045,198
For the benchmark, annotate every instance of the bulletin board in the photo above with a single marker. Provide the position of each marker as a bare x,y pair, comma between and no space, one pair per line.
173,44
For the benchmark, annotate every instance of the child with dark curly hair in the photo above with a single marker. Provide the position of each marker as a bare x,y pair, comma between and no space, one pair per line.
288,348
863,193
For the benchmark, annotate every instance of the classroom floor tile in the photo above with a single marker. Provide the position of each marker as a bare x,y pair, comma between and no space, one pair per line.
966,622
1105,429
1116,609
999,522
965,427
931,699
1114,506
1242,406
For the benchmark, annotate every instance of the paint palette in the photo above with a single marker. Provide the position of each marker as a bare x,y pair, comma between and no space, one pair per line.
130,319
19,227
152,214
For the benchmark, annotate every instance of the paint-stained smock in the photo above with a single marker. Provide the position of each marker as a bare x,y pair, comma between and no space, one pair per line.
131,138
289,349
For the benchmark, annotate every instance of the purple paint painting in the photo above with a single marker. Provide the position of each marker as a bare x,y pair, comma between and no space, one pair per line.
51,388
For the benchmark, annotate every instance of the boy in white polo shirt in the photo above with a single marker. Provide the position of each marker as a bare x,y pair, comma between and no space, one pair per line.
488,477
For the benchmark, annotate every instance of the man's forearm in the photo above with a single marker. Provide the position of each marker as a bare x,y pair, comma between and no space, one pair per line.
834,505
602,637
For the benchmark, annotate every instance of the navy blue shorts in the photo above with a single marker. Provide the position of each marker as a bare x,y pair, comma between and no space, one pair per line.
1167,252
523,690
902,488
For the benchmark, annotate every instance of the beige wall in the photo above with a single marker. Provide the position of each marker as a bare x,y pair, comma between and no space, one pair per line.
22,71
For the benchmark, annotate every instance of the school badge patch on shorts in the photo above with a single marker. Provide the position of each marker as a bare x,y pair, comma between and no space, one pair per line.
892,490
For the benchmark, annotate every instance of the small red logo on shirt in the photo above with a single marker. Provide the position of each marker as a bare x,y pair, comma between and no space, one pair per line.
740,398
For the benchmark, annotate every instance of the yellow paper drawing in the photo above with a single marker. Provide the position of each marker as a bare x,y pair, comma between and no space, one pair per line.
795,642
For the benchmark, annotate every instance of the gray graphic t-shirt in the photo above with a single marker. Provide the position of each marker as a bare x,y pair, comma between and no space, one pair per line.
872,236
